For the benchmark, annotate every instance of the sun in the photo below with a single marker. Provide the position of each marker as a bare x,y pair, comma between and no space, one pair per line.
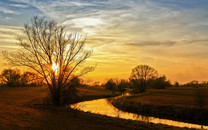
55,66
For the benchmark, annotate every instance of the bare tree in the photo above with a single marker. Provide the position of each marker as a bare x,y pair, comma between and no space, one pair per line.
140,75
54,54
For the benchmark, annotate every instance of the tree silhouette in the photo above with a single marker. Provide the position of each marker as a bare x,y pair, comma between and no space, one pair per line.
111,85
11,77
159,82
122,85
54,54
176,84
30,79
139,76
14,78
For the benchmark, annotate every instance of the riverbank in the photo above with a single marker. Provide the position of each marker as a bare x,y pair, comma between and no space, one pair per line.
22,108
174,104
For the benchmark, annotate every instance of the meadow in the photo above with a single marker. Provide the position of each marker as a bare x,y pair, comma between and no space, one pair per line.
24,108
173,96
176,103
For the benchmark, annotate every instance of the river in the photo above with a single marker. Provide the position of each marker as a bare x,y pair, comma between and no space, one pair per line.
104,107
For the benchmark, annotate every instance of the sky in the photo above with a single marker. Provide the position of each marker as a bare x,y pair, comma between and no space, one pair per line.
168,35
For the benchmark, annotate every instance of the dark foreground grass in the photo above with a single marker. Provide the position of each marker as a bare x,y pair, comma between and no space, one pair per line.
22,108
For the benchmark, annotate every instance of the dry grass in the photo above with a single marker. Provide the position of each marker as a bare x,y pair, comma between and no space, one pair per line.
183,97
15,106
20,108
88,91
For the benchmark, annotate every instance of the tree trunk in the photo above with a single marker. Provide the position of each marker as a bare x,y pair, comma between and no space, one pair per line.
55,94
57,101
57,98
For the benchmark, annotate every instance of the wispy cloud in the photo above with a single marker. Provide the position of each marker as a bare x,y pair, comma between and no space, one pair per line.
159,33
148,19
8,36
153,43
20,5
7,11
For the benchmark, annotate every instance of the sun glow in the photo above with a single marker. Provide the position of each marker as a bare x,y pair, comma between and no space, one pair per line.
55,66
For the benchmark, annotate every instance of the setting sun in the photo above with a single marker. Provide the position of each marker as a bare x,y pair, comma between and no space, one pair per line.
55,66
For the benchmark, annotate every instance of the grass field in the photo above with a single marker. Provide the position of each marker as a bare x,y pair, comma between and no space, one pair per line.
87,91
183,97
172,103
22,108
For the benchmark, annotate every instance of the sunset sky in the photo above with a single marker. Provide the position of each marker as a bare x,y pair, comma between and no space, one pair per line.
169,35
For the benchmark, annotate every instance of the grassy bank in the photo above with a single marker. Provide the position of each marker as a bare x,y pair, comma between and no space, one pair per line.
178,96
176,104
91,93
22,108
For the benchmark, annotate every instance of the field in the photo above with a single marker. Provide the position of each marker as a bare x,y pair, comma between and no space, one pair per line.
182,104
182,97
23,108
93,91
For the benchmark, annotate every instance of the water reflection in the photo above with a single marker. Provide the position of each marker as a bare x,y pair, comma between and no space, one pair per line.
103,107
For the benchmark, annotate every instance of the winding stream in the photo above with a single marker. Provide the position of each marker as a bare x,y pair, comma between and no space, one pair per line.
104,107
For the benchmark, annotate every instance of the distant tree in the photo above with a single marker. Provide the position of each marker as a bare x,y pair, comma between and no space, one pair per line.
204,83
176,84
11,77
96,84
49,50
75,82
193,83
31,79
111,85
24,80
122,85
160,83
139,76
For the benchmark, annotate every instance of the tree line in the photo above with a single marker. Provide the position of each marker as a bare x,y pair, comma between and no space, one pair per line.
193,83
141,78
16,78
